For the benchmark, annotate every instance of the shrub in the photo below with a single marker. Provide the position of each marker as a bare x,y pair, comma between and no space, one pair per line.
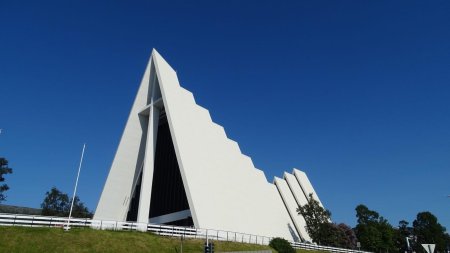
281,245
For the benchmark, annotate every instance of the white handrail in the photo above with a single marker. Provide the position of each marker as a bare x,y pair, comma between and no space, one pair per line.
164,230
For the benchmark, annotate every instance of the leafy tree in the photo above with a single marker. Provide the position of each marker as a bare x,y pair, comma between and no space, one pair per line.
321,230
79,209
400,236
373,231
369,236
428,230
57,203
281,245
365,215
332,235
448,241
387,236
314,215
349,240
4,169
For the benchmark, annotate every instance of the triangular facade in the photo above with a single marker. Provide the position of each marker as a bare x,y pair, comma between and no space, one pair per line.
174,165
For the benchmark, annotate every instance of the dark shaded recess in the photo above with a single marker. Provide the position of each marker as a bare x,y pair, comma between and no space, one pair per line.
133,210
188,222
168,194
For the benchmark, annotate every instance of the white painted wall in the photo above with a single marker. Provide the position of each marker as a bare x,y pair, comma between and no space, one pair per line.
291,206
306,185
297,191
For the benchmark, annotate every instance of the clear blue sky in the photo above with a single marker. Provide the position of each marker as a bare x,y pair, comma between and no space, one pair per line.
355,93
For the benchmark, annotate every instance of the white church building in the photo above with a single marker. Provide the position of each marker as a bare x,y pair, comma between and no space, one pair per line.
174,165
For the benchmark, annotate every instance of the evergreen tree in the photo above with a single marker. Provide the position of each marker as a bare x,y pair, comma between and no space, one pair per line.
320,228
315,216
4,169
428,230
350,240
403,232
57,203
373,231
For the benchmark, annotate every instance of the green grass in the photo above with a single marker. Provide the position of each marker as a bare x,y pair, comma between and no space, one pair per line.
310,251
23,239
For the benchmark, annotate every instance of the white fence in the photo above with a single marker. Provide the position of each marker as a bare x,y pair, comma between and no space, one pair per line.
308,246
164,230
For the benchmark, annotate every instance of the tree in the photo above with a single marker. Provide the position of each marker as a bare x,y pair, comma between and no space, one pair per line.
365,215
428,230
373,231
79,209
320,228
387,236
448,241
281,245
403,232
4,169
369,237
314,215
332,235
57,203
349,240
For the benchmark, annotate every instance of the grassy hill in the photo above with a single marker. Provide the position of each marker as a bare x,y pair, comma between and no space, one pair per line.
20,210
23,239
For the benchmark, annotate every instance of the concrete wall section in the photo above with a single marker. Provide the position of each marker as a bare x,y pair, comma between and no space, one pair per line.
296,190
305,184
291,206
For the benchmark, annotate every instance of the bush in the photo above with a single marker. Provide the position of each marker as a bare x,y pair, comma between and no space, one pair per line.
281,245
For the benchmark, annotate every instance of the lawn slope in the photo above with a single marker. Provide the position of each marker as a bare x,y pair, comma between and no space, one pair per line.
22,239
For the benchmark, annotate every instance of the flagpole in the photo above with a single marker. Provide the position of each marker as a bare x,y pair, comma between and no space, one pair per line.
67,228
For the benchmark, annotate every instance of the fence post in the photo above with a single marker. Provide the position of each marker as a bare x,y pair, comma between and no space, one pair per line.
51,219
227,236
217,235
32,221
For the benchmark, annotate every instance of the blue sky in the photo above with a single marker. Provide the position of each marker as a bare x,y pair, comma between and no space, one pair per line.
355,93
